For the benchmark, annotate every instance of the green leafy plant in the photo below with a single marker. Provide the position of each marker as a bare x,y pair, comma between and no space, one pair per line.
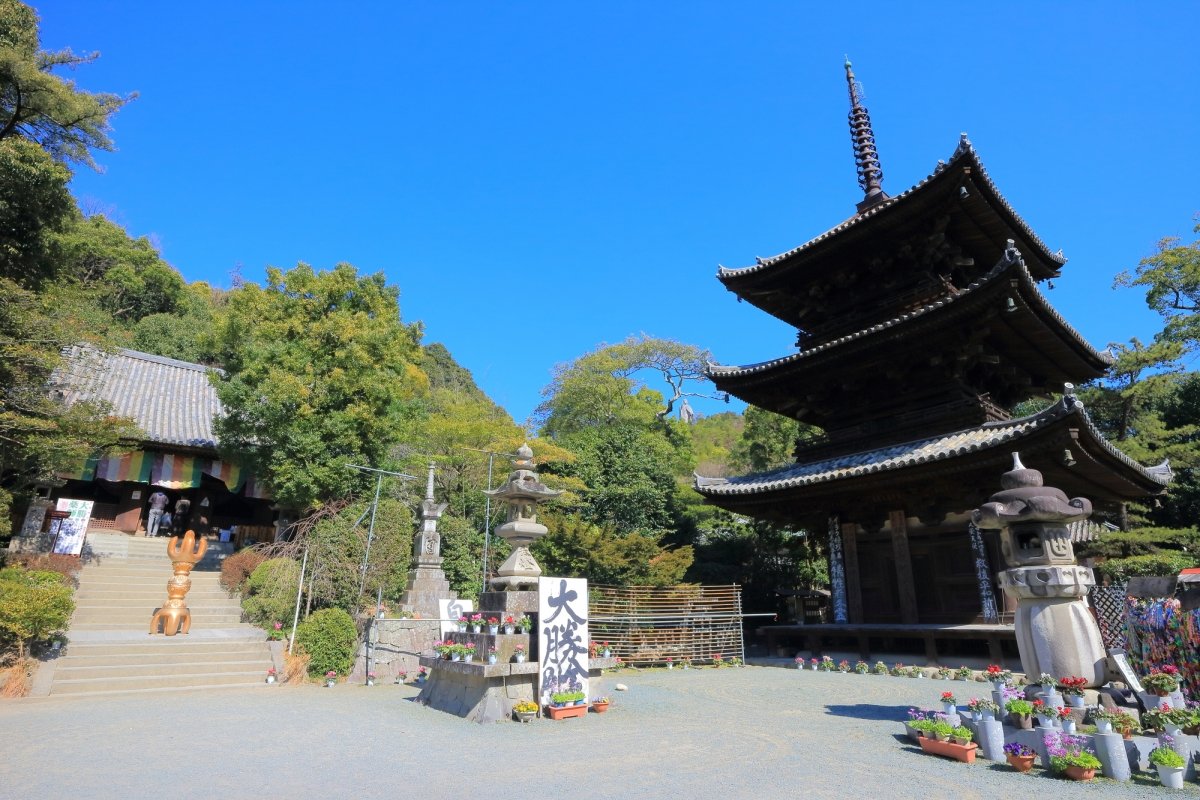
964,673
1019,707
270,591
330,639
962,732
880,668
34,605
1164,756
942,730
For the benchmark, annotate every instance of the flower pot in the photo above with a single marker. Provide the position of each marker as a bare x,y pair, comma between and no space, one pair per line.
959,752
455,657
1104,726
942,737
1171,777
1173,730
606,654
1021,721
476,628
600,708
330,683
963,740
1068,726
1020,763
1080,773
493,629
1045,721
462,627
520,658
949,708
526,716
508,629
469,658
1075,700
270,679
370,681
566,712
491,658
997,686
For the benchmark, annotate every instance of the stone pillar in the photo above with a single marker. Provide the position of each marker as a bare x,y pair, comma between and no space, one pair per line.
1114,760
983,575
990,733
426,581
837,575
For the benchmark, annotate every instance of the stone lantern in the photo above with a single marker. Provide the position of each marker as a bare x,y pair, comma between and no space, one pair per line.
1056,632
522,492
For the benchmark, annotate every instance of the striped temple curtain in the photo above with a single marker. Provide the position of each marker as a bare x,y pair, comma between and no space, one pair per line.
169,470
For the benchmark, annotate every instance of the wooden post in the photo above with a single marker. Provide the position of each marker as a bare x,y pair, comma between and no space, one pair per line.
905,587
850,564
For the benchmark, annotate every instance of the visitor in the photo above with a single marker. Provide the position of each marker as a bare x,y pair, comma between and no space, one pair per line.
158,504
183,508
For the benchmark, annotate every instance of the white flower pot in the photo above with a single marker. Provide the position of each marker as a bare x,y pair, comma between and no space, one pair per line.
1104,726
1171,777
492,658
670,666
370,681
270,679
1173,730
455,657
949,708
520,658
493,629
330,683
1075,700
508,629
462,627
469,657
1068,726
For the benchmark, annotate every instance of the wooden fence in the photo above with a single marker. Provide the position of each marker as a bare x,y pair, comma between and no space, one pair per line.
646,625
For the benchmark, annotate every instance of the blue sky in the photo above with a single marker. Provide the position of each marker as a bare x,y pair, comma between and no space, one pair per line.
542,178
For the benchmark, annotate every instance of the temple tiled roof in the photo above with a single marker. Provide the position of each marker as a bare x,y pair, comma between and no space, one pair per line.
1011,262
899,456
172,401
965,152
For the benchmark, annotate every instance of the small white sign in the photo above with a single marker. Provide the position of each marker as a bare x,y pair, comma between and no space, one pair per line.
562,636
451,610
70,532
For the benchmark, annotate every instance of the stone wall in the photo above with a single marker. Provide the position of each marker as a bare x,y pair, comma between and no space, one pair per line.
396,645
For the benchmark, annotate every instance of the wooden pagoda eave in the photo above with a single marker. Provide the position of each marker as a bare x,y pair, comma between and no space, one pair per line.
1093,472
778,285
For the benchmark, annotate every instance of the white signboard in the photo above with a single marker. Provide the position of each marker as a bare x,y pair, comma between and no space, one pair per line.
70,531
451,610
562,631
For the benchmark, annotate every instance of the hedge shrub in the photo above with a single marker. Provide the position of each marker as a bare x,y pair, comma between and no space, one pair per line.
237,568
330,639
1161,564
34,604
270,591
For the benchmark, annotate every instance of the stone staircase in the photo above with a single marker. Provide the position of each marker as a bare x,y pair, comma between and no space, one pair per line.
110,649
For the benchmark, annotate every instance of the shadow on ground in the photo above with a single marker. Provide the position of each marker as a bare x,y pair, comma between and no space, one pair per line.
866,711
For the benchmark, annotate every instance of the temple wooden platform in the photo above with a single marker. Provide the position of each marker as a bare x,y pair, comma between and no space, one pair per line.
885,638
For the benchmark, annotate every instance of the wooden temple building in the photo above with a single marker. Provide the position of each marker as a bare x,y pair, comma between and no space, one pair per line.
919,324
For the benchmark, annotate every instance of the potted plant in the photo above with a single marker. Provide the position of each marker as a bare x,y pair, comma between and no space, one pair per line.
567,704
525,710
843,666
1019,756
862,668
1072,689
798,659
915,731
998,676
1065,719
1170,764
1046,681
687,663
923,727
1072,755
961,735
1103,718
939,743
370,679
1020,712
963,673
476,623
1163,681
491,655
949,704
827,664
942,730
1161,719
525,624
468,652
899,670
493,625
944,673
671,663
401,677
509,624
421,675
600,704
988,710
880,668
605,650
814,663
519,653
462,624
271,675
330,679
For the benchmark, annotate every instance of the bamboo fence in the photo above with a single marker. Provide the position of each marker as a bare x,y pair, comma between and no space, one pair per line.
647,625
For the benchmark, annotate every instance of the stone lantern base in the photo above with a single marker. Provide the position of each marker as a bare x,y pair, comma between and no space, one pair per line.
1055,631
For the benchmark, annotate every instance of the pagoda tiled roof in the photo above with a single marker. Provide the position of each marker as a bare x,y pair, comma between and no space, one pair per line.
964,155
171,401
1011,263
1008,433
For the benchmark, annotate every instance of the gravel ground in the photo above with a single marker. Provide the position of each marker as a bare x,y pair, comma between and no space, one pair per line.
755,732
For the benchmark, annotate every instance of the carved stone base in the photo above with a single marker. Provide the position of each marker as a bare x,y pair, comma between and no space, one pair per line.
1059,637
426,585
519,570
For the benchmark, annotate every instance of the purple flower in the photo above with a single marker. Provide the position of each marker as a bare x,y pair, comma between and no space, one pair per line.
1017,749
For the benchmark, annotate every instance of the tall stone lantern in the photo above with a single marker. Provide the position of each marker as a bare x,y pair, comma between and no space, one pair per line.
522,492
1056,633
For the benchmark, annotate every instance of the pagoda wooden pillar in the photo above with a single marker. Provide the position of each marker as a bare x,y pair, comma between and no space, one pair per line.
854,607
905,587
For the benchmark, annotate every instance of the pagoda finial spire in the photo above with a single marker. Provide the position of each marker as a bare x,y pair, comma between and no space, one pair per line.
866,157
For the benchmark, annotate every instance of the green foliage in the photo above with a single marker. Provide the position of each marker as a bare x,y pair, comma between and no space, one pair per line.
1141,542
576,548
127,276
714,440
38,105
270,592
768,440
34,203
34,604
462,554
1153,565
320,372
330,638
1172,280
337,546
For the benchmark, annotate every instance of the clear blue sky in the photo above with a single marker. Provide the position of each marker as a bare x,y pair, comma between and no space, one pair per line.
541,178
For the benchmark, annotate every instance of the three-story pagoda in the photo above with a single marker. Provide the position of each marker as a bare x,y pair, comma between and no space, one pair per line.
919,325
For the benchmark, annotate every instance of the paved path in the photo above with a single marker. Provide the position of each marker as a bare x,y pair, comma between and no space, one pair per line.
758,732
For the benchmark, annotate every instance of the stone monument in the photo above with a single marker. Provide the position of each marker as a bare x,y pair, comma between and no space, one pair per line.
427,582
1056,633
522,492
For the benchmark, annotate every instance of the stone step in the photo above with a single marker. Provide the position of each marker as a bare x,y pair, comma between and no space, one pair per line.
94,596
223,667
142,624
223,605
166,683
140,616
119,577
128,657
161,646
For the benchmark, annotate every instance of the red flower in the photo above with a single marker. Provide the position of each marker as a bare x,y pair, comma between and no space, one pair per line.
947,697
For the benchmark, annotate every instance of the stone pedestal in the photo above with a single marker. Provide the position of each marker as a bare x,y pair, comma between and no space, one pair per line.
1114,758
1055,631
990,735
427,585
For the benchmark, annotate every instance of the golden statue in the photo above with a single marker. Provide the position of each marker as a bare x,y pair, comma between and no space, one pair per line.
174,615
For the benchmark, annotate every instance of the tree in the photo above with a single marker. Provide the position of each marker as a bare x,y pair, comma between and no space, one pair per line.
34,204
320,373
42,107
577,548
1172,280
768,440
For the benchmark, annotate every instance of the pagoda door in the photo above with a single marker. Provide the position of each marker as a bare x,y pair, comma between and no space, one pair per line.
877,575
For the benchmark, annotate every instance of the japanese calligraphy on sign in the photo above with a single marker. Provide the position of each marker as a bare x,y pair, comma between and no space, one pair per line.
70,532
562,636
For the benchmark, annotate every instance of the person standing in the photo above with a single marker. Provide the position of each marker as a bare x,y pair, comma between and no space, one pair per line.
183,508
158,504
